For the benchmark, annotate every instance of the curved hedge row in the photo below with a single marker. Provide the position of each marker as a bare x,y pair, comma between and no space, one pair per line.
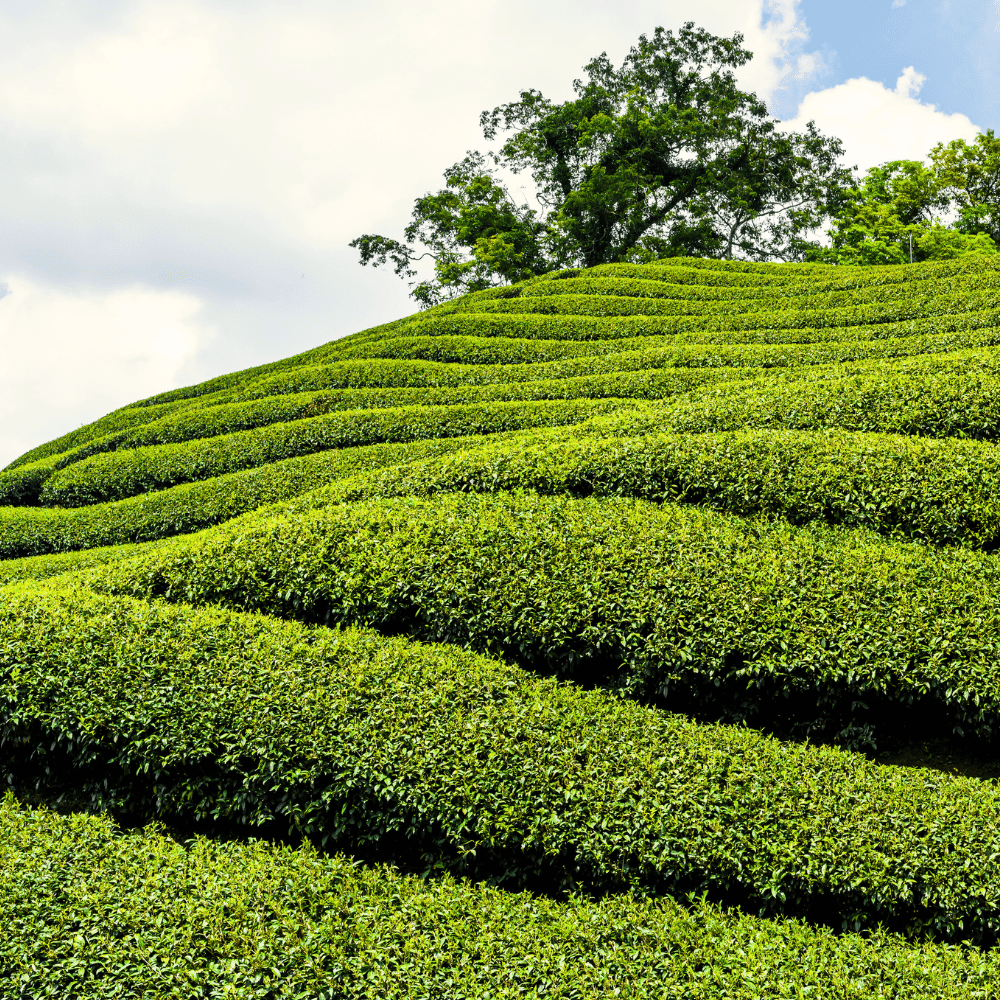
358,740
27,531
803,630
795,325
723,297
398,373
938,492
784,277
681,316
489,351
85,903
118,474
942,492
216,418
947,396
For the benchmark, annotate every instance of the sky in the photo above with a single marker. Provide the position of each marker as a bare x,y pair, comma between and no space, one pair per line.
179,180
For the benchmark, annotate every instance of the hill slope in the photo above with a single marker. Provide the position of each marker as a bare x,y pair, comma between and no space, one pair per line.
591,587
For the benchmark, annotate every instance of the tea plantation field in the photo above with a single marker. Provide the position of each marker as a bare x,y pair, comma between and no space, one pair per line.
539,644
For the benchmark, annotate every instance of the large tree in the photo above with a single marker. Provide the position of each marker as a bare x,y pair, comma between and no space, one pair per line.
896,212
662,156
969,173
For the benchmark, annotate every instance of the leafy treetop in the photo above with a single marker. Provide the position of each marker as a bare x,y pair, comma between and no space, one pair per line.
660,157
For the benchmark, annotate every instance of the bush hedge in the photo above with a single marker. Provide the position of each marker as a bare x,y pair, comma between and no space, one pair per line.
500,351
91,909
805,630
114,475
467,763
227,417
720,297
27,531
938,492
791,325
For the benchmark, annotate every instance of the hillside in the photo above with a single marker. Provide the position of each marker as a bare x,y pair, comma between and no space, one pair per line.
547,639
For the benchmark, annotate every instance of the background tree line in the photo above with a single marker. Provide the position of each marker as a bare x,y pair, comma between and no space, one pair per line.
666,156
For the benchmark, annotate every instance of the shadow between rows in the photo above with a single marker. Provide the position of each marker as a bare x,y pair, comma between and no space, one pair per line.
65,788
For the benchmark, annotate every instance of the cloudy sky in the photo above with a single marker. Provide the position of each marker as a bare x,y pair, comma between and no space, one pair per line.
179,180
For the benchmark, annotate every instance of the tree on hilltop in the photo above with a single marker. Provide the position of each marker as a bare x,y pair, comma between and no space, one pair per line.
661,157
900,207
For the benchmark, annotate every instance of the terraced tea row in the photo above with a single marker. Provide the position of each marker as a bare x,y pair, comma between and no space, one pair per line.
254,921
809,631
941,492
468,763
435,594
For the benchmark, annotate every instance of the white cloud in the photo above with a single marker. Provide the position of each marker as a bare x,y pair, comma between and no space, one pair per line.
878,124
222,150
69,357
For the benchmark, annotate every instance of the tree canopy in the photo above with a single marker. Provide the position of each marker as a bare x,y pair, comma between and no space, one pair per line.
660,157
943,209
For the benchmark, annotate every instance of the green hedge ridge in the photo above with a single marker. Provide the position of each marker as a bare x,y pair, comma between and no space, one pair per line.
782,277
938,492
724,297
235,415
120,420
806,630
468,763
792,325
43,567
500,351
954,395
942,492
92,909
591,317
118,474
401,373
28,531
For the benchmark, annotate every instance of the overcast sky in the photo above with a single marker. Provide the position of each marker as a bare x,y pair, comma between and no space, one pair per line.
180,179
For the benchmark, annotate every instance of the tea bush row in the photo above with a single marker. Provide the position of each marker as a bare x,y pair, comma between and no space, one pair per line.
28,531
724,297
87,905
467,763
505,351
213,419
736,315
805,630
398,373
791,325
938,492
119,474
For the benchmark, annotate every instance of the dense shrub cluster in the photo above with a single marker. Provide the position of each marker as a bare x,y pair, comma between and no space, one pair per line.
466,762
113,475
495,592
26,531
841,632
86,907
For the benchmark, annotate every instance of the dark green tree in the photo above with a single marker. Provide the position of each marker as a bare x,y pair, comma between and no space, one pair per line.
969,173
893,212
663,156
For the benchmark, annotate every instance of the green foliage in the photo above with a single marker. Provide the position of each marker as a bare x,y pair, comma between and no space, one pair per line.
471,765
891,216
808,631
86,904
662,157
569,509
941,492
28,531
970,174
117,474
